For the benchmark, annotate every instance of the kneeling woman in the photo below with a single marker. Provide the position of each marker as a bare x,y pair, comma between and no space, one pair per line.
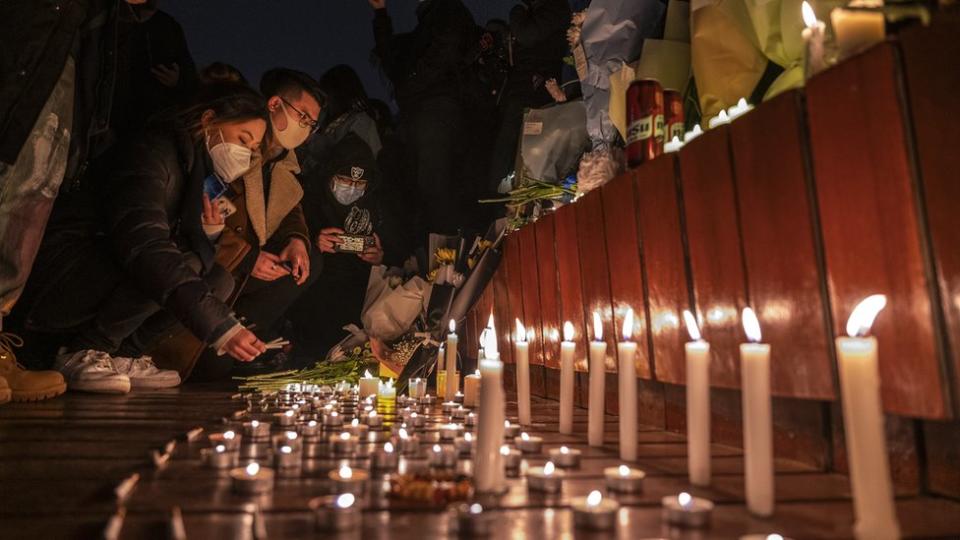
127,268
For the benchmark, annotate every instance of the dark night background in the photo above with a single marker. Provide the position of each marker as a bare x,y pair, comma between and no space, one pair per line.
310,35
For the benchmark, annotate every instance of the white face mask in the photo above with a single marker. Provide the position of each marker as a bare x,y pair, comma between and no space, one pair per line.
294,135
230,160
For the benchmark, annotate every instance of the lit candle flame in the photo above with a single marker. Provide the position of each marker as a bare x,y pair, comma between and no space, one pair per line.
403,433
568,331
355,422
742,104
285,449
334,414
564,450
452,326
751,326
437,449
388,447
220,449
372,414
809,17
692,327
291,435
229,435
504,450
597,327
366,374
346,472
289,413
862,317
344,436
255,424
624,471
506,423
346,500
468,436
594,498
524,436
775,536
490,321
723,116
628,325
253,469
548,469
684,499
312,423
475,508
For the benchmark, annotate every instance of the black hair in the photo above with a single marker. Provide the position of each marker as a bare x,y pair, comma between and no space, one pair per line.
230,102
345,89
220,72
290,84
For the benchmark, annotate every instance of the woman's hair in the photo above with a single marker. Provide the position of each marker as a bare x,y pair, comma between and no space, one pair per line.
230,102
344,89
220,72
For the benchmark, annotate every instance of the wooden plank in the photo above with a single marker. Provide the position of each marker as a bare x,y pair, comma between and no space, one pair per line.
623,260
871,230
501,308
932,98
716,259
569,277
514,264
530,279
661,229
550,287
787,289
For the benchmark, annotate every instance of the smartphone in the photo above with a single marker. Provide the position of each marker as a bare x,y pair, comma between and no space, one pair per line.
213,187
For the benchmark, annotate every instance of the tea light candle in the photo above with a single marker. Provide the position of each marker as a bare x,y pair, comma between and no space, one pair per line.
528,444
343,444
458,398
219,457
567,350
673,145
757,418
472,521
448,406
565,457
698,404
229,439
863,425
686,511
337,514
522,358
464,445
369,385
510,431
349,480
386,458
387,394
332,419
740,109
409,444
719,120
857,29
257,430
624,479
288,438
252,479
595,513
470,420
598,375
286,418
471,388
546,479
627,379
449,432
417,387
813,34
692,134
286,457
511,457
442,457
358,429
373,419
310,430
428,400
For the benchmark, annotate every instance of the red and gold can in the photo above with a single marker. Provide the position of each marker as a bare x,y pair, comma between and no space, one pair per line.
673,105
645,128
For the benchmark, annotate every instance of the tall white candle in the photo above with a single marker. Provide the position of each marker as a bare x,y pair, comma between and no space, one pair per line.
522,348
863,425
757,420
627,351
698,404
471,388
598,373
567,349
489,476
813,36
453,381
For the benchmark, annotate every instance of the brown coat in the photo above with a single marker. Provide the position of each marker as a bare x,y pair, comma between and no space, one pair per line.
256,221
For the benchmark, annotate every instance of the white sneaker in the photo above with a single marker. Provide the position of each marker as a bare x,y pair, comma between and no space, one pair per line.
144,374
91,371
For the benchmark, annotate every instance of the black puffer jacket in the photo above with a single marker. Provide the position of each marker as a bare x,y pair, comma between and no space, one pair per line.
152,206
428,61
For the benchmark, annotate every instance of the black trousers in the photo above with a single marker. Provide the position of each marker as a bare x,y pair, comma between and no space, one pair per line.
263,304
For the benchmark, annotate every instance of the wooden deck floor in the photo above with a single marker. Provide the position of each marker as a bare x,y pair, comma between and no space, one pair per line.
61,460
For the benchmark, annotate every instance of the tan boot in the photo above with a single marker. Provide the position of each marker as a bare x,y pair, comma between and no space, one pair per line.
26,385
4,391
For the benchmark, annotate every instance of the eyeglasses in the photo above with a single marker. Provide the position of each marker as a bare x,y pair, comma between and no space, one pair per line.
303,118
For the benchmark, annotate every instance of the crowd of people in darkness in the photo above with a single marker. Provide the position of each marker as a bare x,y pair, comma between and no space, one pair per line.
147,205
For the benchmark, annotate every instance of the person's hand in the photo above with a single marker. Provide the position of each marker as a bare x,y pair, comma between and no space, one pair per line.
244,346
373,254
328,239
378,4
211,214
268,267
296,253
168,76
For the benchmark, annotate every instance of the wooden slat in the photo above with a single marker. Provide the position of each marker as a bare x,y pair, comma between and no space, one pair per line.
871,230
550,285
661,229
501,308
934,108
716,260
623,259
787,289
514,261
530,277
568,274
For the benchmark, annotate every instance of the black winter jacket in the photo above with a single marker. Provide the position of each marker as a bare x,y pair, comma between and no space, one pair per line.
539,34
